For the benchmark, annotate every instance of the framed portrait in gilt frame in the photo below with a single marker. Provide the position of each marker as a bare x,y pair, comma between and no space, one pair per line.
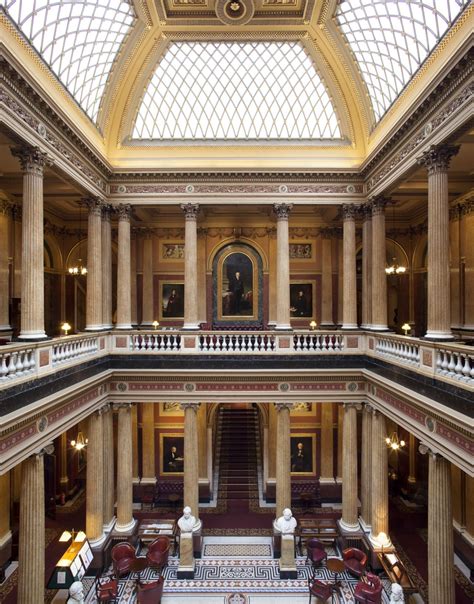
171,454
171,300
237,285
302,300
303,454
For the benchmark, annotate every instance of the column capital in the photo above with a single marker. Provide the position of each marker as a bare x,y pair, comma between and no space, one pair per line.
119,406
378,203
191,210
193,406
368,408
46,450
437,157
124,211
282,210
6,207
356,406
365,211
349,211
32,159
93,204
283,406
107,212
425,449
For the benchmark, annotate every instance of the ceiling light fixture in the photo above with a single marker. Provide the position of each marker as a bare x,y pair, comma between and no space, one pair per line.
394,443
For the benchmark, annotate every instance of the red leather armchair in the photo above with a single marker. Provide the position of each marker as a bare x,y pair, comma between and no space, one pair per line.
106,589
123,554
150,593
315,552
354,561
369,591
158,552
319,590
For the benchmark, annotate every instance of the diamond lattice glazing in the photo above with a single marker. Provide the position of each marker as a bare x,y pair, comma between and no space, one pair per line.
236,91
390,40
78,39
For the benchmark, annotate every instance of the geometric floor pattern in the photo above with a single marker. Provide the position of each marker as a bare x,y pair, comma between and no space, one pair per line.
238,550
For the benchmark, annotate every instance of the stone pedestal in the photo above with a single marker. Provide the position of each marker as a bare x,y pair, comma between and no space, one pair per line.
282,211
287,565
379,276
191,211
349,294
125,286
191,454
349,521
125,521
95,480
186,557
283,458
106,243
94,265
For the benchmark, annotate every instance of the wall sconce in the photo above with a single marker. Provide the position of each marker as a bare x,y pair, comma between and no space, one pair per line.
155,324
313,325
65,327
80,443
406,328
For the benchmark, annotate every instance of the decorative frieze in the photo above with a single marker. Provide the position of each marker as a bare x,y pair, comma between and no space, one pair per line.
236,189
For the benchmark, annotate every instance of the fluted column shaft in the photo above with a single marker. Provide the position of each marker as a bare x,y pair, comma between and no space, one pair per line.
283,458
109,477
349,310
349,520
412,448
327,444
191,457
326,279
32,162
440,532
133,278
282,211
135,444
125,519
106,252
5,505
5,211
31,542
191,211
147,303
124,285
95,479
94,266
148,443
436,160
367,268
379,518
366,468
63,449
379,276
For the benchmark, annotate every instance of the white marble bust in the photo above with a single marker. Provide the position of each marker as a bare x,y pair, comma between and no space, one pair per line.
76,593
396,596
188,523
286,524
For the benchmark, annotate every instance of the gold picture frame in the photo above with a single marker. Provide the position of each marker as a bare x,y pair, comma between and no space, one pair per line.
167,442
307,309
237,259
304,465
165,292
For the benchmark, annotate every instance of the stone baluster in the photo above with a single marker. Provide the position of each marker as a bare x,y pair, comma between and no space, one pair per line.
191,211
282,212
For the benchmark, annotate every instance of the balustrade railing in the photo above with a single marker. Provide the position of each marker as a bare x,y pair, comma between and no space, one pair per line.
237,342
155,342
316,342
74,348
404,350
16,363
456,364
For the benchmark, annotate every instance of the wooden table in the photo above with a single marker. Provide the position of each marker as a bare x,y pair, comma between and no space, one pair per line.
138,566
336,566
324,529
151,528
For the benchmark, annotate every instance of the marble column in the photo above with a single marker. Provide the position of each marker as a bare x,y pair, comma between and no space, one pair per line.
366,266
106,253
412,449
366,469
5,212
282,212
125,521
147,302
31,540
94,265
133,277
32,162
191,211
349,521
191,457
283,458
136,479
148,443
5,532
349,310
436,159
63,455
440,530
379,519
379,276
326,278
109,468
327,444
124,284
340,437
95,479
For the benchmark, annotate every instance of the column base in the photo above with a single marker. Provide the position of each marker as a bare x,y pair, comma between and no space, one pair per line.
125,528
378,328
327,326
110,525
192,326
364,526
124,326
330,480
378,545
438,336
32,336
96,543
283,327
348,528
148,480
350,326
338,479
94,328
107,326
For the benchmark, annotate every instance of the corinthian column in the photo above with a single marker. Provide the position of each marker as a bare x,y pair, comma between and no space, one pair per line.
349,308
95,480
94,265
31,541
124,286
379,481
106,252
148,443
191,211
32,162
327,444
147,288
5,211
108,456
125,521
191,457
436,160
349,520
282,211
366,469
326,278
366,267
440,530
283,458
379,276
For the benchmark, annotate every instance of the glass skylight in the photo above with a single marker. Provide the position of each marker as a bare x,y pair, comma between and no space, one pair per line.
390,40
78,39
236,91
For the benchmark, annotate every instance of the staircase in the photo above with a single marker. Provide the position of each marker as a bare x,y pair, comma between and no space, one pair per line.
238,457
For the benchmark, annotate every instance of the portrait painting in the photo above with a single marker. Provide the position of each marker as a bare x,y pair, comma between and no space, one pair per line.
301,300
303,454
172,453
171,300
237,286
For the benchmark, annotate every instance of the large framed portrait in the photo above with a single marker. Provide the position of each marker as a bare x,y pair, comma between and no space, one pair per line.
303,454
171,300
302,299
237,291
171,454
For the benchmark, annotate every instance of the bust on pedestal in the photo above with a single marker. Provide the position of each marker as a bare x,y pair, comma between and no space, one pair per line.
76,593
188,523
286,525
190,531
396,596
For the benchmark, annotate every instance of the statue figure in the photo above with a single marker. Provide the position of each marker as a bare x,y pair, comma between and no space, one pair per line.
188,523
286,524
396,596
76,593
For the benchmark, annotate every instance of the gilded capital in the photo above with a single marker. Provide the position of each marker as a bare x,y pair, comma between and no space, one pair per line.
191,210
438,157
32,159
282,210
